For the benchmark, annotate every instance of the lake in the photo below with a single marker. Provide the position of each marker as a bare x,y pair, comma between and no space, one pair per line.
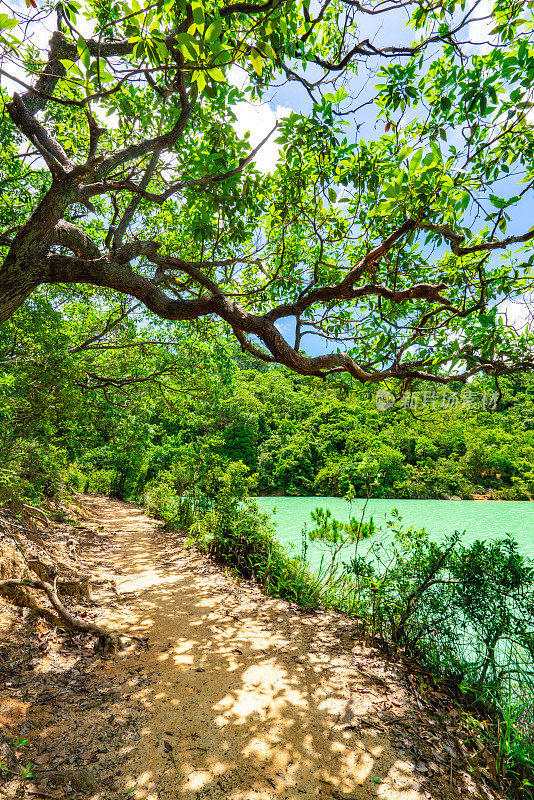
480,520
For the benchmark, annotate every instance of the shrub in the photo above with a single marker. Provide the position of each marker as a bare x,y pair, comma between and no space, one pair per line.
517,491
75,478
466,613
101,481
37,472
241,537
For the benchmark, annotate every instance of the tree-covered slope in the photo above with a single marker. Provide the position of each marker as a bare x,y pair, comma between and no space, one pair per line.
111,402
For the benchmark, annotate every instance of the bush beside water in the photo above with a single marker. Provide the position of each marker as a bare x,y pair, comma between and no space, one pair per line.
465,613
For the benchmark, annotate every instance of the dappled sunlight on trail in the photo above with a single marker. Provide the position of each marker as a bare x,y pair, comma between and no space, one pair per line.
247,697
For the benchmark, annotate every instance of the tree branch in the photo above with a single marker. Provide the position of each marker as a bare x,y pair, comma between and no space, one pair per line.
455,239
69,236
52,152
93,189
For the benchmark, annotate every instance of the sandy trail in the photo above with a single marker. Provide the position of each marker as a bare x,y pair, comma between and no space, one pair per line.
249,697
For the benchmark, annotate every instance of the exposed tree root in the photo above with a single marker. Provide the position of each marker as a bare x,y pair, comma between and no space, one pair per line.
38,513
19,597
75,587
54,578
12,590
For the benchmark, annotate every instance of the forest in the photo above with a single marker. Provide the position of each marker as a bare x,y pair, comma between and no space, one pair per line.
264,249
124,413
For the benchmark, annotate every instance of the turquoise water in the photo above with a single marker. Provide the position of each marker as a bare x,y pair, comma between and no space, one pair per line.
480,520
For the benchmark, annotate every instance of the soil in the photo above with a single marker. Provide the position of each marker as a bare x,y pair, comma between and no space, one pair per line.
236,697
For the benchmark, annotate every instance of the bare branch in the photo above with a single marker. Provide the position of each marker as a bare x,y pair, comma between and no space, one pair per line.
52,152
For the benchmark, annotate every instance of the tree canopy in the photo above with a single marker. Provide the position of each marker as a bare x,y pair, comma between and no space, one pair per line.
396,224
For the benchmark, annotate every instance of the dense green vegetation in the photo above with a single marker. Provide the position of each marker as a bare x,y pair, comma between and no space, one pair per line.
303,437
120,415
158,294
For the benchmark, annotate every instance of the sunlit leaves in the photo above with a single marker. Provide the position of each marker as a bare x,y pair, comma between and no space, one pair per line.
257,61
214,30
434,154
83,52
6,23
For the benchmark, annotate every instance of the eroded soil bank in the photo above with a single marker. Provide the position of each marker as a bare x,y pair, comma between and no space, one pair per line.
238,696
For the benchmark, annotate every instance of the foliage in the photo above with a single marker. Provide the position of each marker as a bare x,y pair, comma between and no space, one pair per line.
242,538
132,405
465,612
328,529
392,223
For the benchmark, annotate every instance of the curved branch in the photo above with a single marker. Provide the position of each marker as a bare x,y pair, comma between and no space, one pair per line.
455,239
344,290
129,213
69,236
108,271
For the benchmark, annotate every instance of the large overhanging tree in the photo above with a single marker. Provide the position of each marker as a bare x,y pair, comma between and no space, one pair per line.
397,222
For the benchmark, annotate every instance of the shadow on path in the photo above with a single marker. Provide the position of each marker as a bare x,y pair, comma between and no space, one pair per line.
248,696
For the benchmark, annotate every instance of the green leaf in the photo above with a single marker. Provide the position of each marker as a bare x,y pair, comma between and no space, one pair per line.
7,22
214,30
161,48
257,61
217,74
200,79
266,49
72,67
436,152
187,45
198,13
497,201
415,163
83,52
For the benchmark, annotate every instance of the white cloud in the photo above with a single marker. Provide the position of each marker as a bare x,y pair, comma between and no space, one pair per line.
480,28
259,119
518,312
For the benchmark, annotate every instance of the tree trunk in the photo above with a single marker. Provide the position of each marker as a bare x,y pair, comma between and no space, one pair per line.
16,285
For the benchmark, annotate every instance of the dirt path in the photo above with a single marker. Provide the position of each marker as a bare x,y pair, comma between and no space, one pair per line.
239,696
250,694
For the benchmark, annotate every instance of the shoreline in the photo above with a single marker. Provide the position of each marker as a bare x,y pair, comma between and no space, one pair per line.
479,498
228,697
